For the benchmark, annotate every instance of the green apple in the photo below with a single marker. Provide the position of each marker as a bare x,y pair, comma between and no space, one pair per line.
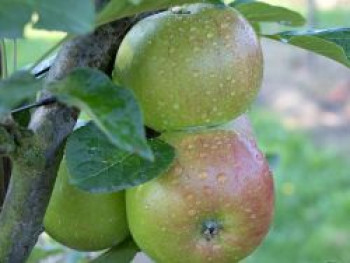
85,221
196,65
215,204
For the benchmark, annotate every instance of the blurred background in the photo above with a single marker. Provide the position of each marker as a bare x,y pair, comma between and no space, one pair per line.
302,121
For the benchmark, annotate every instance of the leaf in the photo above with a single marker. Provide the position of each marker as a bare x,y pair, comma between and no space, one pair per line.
72,16
331,43
117,9
14,14
123,253
39,254
22,118
14,90
240,2
113,109
95,165
255,11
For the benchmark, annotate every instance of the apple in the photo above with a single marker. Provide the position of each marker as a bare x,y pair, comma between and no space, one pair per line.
85,221
196,65
215,204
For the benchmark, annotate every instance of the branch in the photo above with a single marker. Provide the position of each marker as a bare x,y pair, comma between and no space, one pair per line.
36,161
5,173
7,144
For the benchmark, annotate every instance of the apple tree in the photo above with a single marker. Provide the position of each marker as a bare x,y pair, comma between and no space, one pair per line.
139,116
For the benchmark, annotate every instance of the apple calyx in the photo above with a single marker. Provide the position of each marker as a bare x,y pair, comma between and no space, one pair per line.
211,229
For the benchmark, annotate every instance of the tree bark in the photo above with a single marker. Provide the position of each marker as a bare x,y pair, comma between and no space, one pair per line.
36,161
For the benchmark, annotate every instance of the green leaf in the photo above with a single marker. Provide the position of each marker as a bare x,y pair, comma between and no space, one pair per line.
117,9
123,253
14,14
22,118
240,2
255,11
113,109
331,43
95,165
72,16
40,253
14,90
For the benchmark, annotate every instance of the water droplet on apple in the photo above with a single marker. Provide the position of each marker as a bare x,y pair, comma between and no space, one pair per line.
189,197
203,175
192,212
222,178
210,35
207,190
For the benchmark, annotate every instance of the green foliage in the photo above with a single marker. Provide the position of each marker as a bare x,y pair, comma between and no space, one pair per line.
72,16
331,43
117,9
14,90
96,165
113,109
38,254
14,14
123,253
255,11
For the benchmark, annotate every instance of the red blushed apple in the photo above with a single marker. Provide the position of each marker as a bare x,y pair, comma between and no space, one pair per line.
215,204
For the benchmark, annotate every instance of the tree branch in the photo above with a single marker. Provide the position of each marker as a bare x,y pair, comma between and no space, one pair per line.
7,143
36,161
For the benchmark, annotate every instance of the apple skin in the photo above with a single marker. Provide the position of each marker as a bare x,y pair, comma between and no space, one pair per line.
85,221
215,204
200,66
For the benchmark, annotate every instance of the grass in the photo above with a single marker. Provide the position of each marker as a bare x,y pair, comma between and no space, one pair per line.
31,48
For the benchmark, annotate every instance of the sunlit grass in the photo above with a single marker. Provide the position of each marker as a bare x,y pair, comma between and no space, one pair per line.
30,48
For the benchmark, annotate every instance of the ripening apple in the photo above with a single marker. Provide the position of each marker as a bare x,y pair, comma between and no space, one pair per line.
196,65
215,204
85,221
